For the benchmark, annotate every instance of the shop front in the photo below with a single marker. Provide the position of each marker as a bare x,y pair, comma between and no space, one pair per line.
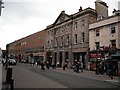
95,58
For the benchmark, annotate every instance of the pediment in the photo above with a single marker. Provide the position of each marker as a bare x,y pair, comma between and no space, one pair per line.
62,17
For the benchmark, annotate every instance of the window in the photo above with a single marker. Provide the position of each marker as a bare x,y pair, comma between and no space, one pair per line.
56,42
82,23
48,43
75,38
52,33
97,45
67,27
61,41
67,40
83,38
61,30
51,43
97,32
48,33
75,25
113,29
113,43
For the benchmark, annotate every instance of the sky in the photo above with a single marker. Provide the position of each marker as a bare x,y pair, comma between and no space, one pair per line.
21,18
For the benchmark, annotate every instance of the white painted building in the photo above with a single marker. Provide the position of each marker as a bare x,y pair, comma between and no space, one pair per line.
105,32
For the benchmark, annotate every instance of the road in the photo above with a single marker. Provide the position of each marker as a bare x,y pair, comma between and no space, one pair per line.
27,76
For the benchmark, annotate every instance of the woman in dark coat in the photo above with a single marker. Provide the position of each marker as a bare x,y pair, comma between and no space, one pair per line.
42,66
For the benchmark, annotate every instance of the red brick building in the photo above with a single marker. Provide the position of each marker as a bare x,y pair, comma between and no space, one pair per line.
32,44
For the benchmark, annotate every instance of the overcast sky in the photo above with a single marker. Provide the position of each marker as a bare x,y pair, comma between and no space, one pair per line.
21,18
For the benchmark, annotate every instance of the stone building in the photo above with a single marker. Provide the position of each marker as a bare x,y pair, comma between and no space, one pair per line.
67,39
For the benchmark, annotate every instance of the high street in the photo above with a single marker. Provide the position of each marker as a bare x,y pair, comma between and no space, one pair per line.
29,76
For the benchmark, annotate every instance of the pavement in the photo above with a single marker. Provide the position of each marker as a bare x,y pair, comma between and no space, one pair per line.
91,75
84,74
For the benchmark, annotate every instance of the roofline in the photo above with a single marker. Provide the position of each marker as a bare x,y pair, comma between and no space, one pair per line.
75,15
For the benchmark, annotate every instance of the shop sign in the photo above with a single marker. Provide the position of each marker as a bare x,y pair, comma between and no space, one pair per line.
99,55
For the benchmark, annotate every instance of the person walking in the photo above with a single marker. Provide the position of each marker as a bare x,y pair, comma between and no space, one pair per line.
65,65
47,64
42,66
81,66
78,67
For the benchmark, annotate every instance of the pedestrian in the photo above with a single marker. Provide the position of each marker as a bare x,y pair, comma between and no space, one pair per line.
78,67
53,66
81,66
42,66
47,64
65,65
58,64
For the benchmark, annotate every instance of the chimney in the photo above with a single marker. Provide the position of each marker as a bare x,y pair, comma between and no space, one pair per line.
119,5
80,9
101,8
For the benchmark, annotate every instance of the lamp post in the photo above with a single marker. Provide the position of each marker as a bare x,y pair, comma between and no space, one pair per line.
97,67
96,72
7,46
1,6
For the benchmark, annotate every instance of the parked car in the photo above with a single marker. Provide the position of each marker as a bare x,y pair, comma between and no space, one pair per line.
12,62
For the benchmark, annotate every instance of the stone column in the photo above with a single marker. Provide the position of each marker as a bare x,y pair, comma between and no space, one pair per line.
53,58
63,58
70,60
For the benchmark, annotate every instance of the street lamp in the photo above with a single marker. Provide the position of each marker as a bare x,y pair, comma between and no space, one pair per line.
97,67
1,6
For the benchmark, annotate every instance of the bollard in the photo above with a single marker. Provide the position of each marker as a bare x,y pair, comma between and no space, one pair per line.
12,84
9,75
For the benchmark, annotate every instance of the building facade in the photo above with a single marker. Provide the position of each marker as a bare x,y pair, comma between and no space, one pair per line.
32,44
105,33
104,41
67,39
